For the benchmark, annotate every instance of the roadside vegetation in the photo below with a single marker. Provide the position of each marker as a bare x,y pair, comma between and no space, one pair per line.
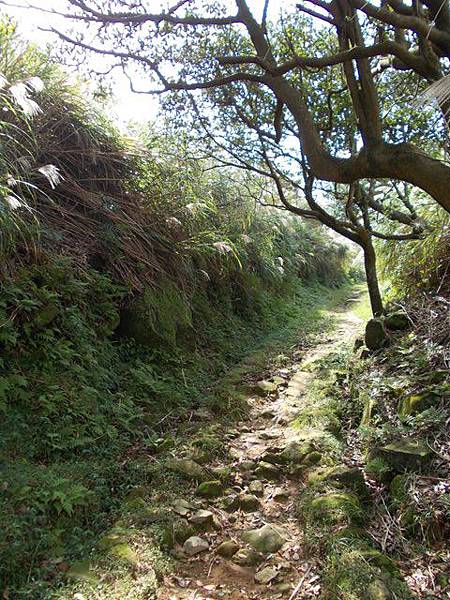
155,288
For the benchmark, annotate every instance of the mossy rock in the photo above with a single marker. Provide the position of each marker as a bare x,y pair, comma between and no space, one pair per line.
334,508
266,539
125,553
210,489
295,452
375,335
267,471
313,458
378,590
224,474
82,571
265,387
113,539
349,477
188,469
247,557
397,321
227,549
274,458
176,532
414,404
405,454
203,520
376,558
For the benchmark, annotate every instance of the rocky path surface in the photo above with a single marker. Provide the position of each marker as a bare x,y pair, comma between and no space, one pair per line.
248,540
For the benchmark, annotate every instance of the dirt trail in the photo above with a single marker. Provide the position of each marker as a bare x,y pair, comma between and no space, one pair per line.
269,429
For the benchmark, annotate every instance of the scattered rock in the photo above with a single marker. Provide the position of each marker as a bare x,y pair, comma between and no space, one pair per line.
188,469
273,458
249,503
256,487
194,545
181,507
203,519
268,435
227,549
210,489
375,335
280,495
265,387
247,557
246,465
177,531
267,471
266,575
231,503
267,539
222,473
267,413
294,452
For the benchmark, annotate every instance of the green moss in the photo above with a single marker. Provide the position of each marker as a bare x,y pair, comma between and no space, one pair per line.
335,507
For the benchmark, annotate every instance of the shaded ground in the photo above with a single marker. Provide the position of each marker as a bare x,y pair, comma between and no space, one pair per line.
269,431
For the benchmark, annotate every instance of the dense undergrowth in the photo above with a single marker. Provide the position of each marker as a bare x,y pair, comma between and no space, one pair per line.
132,280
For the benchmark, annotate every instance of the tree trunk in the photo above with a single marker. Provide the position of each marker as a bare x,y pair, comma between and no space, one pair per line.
370,264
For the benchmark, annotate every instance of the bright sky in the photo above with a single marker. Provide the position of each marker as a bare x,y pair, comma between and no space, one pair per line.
128,105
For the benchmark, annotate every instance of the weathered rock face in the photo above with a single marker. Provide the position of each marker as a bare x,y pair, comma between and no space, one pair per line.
194,545
375,335
397,321
267,539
